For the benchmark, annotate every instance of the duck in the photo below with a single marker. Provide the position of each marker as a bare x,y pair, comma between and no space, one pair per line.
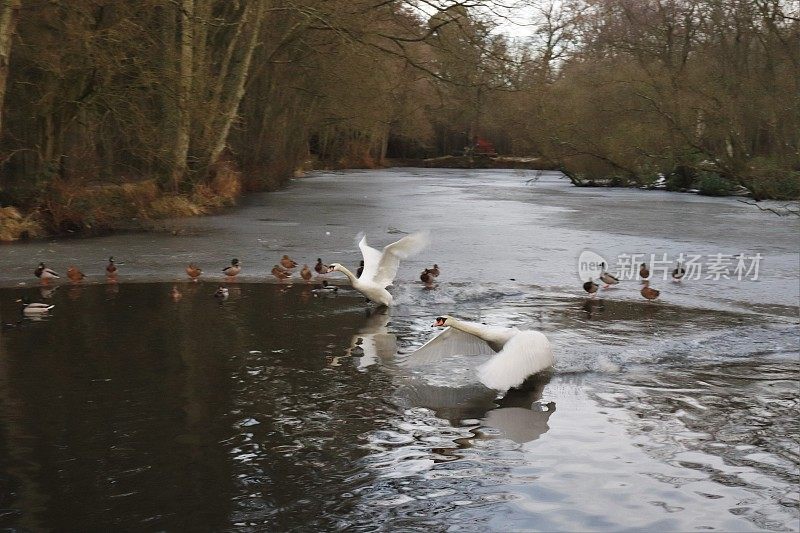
380,268
434,270
111,268
44,273
34,308
305,273
678,272
649,292
516,354
222,293
427,277
325,289
233,270
288,262
320,268
280,273
591,287
74,274
644,272
607,278
360,269
193,271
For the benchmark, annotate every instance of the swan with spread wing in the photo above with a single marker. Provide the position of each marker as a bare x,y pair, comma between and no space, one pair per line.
380,268
516,354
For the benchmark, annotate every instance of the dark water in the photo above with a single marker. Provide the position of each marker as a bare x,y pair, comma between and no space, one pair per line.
277,410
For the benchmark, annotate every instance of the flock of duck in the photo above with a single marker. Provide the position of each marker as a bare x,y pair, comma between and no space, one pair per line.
644,274
516,354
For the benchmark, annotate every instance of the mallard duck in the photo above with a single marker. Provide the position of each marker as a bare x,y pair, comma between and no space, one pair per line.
426,277
111,268
44,273
644,272
232,270
320,268
360,269
679,272
34,308
324,289
74,274
435,270
280,273
591,287
648,292
222,293
607,278
380,268
305,273
288,262
193,272
516,354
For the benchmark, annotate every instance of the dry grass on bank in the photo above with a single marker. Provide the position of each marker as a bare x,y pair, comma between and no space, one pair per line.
76,206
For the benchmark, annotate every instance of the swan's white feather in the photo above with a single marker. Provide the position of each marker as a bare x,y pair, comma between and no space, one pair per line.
449,342
380,268
525,354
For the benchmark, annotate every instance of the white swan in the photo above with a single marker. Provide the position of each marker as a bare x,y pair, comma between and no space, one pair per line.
380,268
516,354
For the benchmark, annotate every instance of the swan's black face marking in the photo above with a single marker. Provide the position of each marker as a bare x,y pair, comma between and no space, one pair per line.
332,267
440,322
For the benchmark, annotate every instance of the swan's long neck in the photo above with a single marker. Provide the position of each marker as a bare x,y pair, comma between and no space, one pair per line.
468,327
347,273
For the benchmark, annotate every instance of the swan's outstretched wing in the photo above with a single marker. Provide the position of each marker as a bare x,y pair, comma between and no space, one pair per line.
372,258
393,253
449,342
527,353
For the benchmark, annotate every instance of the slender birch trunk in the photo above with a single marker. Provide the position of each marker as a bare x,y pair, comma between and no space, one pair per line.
9,13
231,106
185,71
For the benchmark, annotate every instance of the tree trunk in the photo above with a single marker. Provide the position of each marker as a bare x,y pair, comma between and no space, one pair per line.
231,106
186,63
9,13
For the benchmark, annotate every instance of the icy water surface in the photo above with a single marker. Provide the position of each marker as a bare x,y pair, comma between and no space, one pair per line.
277,410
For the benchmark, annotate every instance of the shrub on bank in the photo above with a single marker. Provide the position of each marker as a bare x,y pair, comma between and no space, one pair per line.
712,184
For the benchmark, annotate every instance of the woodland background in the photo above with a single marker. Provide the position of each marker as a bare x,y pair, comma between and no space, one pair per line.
114,111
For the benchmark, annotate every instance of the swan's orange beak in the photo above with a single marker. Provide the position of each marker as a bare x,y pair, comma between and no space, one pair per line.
439,323
330,269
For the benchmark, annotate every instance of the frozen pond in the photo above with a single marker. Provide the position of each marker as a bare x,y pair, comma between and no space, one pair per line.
276,410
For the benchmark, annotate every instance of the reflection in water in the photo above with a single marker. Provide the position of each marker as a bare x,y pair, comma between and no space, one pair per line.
188,415
373,343
518,415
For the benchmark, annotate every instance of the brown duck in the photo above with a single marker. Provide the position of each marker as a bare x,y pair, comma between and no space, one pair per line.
280,273
648,292
591,287
305,273
644,272
193,271
288,262
74,274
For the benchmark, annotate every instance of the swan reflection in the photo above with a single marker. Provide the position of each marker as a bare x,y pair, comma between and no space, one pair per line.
373,343
519,415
